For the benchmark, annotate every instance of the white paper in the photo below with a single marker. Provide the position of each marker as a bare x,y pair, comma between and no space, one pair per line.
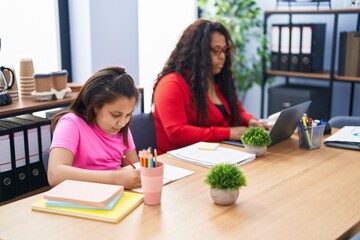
210,158
346,134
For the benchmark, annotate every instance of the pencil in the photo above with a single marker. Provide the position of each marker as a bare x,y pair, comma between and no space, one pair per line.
155,154
126,159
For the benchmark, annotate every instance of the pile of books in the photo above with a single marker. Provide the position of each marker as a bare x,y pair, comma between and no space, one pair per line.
104,202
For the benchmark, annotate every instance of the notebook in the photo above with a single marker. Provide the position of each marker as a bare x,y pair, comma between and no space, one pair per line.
284,126
86,193
127,203
110,205
207,158
346,137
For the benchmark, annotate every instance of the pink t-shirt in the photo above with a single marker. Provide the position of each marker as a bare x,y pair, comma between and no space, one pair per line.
92,147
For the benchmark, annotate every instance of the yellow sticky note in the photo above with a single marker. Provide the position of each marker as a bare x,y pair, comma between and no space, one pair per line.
207,146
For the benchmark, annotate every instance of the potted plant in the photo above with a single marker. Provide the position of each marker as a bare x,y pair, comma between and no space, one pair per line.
256,140
225,180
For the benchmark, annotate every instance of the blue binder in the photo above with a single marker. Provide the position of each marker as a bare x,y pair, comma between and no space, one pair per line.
18,156
7,177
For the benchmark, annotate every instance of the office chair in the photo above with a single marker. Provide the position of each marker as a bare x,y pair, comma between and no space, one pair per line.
142,128
341,121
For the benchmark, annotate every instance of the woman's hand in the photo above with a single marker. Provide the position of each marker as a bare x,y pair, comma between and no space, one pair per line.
237,132
256,123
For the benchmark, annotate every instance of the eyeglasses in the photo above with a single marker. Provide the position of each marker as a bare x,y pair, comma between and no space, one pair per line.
218,50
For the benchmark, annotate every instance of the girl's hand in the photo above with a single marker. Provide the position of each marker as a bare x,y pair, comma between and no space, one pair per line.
129,178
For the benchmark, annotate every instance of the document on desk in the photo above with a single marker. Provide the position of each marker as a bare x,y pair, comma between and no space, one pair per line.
171,174
346,137
206,158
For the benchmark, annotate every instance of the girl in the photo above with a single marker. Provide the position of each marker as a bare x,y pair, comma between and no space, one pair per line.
92,138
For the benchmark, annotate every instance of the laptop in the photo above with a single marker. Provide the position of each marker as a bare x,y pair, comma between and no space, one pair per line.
284,126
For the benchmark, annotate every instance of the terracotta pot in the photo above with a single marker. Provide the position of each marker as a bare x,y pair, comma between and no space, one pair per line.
259,151
224,197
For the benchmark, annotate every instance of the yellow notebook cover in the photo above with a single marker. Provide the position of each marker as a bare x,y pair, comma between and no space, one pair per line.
128,202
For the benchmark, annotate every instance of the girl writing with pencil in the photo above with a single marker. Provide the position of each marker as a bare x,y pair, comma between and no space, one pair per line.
92,140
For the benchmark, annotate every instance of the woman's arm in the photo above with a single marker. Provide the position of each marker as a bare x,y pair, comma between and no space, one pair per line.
60,168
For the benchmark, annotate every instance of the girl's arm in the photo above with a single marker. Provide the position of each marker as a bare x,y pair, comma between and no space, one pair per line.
60,168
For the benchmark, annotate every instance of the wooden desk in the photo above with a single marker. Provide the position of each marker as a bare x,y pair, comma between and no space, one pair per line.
28,105
292,193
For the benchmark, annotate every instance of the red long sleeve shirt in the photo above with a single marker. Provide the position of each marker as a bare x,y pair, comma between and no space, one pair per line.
176,119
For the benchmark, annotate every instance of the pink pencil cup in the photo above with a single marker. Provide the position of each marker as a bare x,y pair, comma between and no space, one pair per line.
152,183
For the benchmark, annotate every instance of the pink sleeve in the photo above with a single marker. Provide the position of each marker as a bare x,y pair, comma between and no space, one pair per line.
66,127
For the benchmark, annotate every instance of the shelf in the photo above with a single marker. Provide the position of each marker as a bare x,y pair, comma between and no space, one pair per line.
346,78
28,105
314,11
330,75
325,76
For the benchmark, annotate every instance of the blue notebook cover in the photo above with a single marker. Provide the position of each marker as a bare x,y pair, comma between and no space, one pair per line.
109,206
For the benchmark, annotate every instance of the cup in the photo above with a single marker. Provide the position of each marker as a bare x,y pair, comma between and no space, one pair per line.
26,67
311,137
59,80
152,183
42,82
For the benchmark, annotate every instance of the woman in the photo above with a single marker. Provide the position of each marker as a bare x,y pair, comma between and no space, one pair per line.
92,138
195,94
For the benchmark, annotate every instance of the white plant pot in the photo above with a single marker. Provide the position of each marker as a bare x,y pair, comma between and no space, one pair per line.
224,197
259,151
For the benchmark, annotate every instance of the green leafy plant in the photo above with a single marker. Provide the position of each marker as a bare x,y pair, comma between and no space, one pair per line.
225,176
255,136
241,18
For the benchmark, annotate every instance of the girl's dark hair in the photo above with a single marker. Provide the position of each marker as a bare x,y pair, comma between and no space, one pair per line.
104,86
191,58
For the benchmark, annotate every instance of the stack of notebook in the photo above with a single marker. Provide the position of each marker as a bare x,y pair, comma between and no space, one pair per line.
104,202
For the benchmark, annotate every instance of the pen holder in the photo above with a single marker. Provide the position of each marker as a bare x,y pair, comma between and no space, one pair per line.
152,183
311,137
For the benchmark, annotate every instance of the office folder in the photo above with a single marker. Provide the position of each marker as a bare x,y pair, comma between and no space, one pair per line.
7,175
295,48
32,152
275,49
127,203
18,156
346,137
44,133
312,47
354,63
284,47
342,53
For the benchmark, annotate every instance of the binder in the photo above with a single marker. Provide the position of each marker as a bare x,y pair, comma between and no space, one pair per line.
32,152
284,47
45,136
295,48
342,53
7,177
275,49
354,63
312,47
18,157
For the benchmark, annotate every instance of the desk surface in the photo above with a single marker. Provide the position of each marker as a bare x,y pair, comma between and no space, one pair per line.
292,193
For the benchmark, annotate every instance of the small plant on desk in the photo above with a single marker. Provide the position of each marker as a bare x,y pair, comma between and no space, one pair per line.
225,180
256,140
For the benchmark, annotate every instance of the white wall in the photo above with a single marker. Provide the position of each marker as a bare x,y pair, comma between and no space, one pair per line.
161,23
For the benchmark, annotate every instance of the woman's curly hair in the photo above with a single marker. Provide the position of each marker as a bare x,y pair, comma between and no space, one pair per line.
191,58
